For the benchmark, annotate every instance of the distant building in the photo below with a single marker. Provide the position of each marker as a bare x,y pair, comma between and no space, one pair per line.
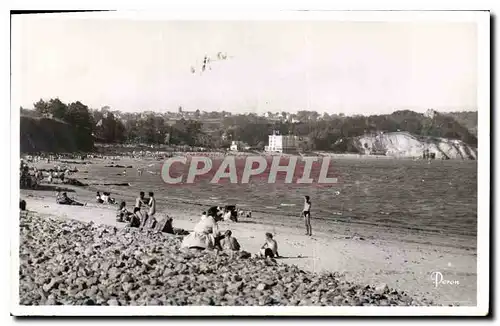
238,146
430,113
283,143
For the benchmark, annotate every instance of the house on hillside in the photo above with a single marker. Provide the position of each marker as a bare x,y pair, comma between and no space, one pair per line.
430,113
237,146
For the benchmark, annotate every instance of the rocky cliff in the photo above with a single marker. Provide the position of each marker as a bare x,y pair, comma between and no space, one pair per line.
404,144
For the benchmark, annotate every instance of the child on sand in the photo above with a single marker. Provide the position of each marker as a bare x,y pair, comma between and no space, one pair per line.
270,247
307,215
123,215
229,242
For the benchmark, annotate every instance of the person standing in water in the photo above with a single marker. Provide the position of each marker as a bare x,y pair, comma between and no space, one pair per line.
307,214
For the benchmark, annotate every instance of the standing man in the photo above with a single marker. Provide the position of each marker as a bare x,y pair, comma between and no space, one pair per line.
307,215
140,200
151,204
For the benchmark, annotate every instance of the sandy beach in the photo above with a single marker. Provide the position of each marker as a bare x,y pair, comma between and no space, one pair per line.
367,255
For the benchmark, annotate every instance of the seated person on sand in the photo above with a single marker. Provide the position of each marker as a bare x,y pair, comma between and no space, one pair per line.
105,197
135,218
110,199
203,215
227,215
230,213
148,222
270,247
65,200
229,242
139,218
123,215
242,213
98,198
216,212
204,234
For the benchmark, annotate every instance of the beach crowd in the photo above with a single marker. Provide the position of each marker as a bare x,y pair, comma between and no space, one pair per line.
206,234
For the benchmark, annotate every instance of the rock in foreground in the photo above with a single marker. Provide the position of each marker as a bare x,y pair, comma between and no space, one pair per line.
72,263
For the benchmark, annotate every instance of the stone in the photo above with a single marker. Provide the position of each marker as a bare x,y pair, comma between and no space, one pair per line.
114,273
113,302
125,278
127,287
261,286
381,288
220,291
235,286
128,267
53,283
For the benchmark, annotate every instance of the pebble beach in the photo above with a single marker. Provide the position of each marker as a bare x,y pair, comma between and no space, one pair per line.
365,258
73,263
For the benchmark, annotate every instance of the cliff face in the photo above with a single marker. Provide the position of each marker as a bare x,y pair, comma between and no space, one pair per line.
403,144
46,135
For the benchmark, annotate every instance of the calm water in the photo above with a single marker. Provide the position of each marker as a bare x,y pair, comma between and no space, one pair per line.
441,196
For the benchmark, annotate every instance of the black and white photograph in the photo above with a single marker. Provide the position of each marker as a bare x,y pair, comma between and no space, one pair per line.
293,163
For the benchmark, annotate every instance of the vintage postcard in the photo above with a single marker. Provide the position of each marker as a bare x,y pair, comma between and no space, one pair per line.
288,163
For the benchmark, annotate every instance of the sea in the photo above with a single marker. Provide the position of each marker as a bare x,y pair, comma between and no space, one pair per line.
437,196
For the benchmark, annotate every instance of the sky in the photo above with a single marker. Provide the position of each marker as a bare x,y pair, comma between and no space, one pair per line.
326,66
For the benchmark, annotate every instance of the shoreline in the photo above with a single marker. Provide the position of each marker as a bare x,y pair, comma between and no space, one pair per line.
218,153
126,187
366,253
371,257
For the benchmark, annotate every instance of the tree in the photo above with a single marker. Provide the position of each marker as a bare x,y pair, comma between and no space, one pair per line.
305,145
78,116
42,107
53,107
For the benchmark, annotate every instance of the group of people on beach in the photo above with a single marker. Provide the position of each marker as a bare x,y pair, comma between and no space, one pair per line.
104,198
138,218
207,235
32,179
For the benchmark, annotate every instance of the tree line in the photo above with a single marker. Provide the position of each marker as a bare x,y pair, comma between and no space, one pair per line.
216,130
